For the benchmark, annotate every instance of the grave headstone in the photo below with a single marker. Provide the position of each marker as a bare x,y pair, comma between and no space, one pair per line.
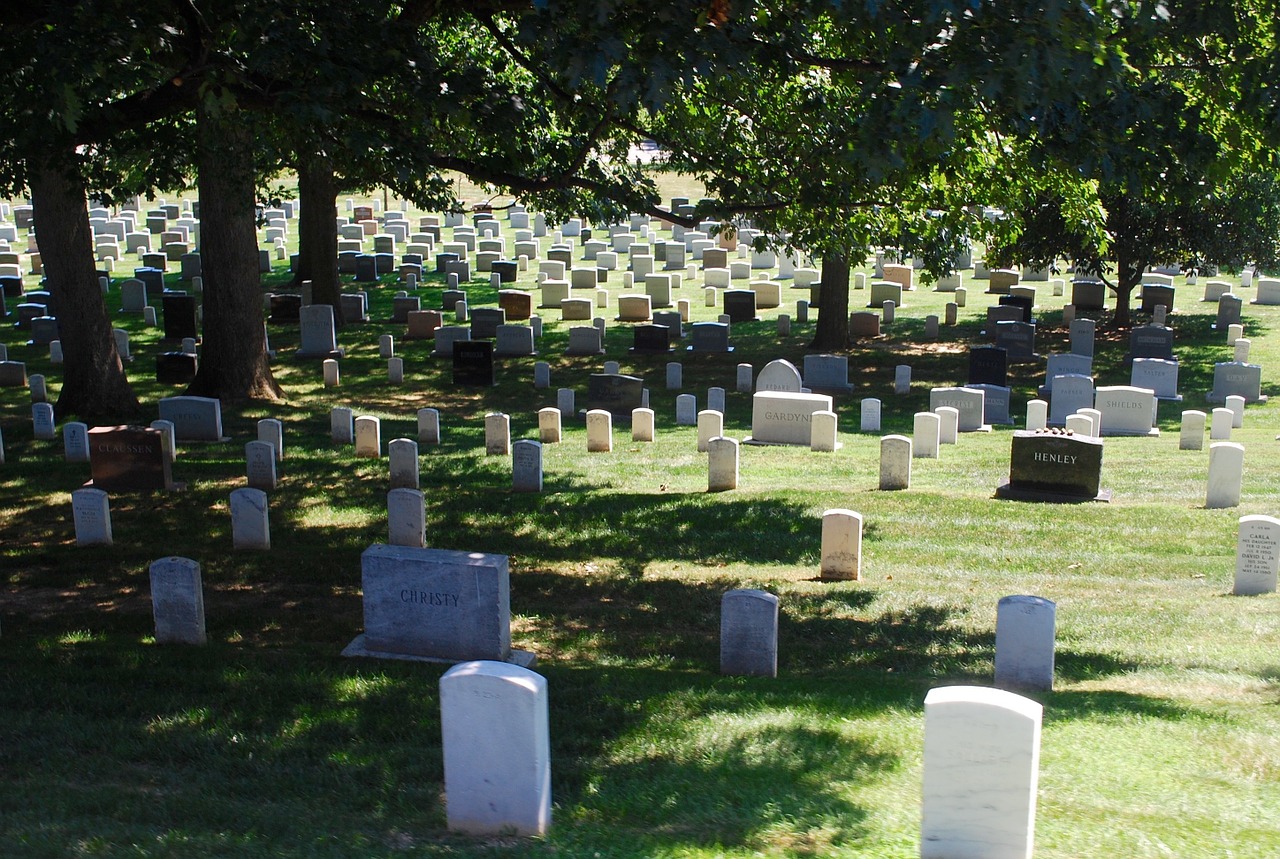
749,633
782,417
1048,465
869,415
710,337
827,373
177,601
841,545
91,512
779,375
968,402
250,523
1025,627
981,772
1126,410
1233,379
895,462
1257,555
497,751
615,393
1226,475
497,434
1070,394
435,604
193,418
406,517
722,464
472,362
926,435
988,365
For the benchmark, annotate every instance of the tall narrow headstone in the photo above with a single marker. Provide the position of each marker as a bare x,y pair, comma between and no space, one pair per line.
710,425
497,434
341,426
250,526
722,464
841,545
526,464
981,771
926,435
402,459
1226,474
1024,643
75,441
406,518
260,465
1257,555
177,601
497,749
895,462
642,424
428,426
599,431
870,415
368,436
91,511
1191,436
749,633
271,431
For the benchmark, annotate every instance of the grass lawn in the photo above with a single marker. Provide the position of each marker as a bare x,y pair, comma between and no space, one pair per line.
1161,736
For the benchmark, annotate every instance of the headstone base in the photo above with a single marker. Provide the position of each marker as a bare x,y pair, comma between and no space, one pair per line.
1009,492
357,648
757,442
1211,397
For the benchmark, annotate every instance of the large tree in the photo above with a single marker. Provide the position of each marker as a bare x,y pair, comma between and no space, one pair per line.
1173,149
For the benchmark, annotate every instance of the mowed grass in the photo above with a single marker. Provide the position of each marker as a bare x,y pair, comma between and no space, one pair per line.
1161,737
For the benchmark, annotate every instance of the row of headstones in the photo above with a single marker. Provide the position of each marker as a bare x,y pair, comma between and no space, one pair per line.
495,730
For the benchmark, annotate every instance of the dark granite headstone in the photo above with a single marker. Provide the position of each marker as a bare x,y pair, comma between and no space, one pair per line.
1088,294
740,305
473,363
123,459
506,270
989,365
1021,302
615,393
442,262
153,278
709,337
485,322
176,368
179,316
651,338
1053,465
285,308
449,299
1018,339
1156,294
1151,341
366,268
12,286
353,306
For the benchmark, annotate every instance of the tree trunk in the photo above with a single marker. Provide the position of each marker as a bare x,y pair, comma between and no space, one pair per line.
94,385
233,362
833,313
317,236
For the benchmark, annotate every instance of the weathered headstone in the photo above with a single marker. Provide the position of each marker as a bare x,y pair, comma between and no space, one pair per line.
250,523
406,517
1024,643
781,417
260,465
193,418
841,545
435,604
177,601
749,633
722,464
895,462
91,512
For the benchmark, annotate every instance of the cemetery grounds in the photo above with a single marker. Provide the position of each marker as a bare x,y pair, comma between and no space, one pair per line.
1161,736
